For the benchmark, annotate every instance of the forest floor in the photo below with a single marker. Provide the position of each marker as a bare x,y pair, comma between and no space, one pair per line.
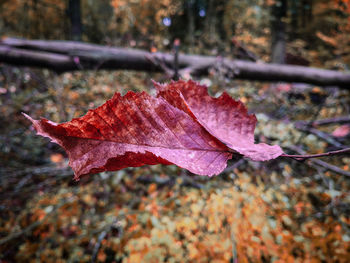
277,211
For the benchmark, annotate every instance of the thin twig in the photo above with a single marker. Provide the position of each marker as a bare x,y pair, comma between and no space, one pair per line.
101,237
49,170
29,228
330,167
322,135
314,117
158,62
335,120
316,163
234,165
302,157
21,232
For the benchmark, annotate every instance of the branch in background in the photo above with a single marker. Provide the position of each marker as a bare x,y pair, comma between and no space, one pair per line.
234,165
331,167
40,170
241,52
21,232
314,117
320,134
31,227
330,121
29,180
159,62
97,246
60,56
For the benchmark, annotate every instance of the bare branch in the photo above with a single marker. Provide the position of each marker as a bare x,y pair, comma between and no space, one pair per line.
335,120
309,156
322,135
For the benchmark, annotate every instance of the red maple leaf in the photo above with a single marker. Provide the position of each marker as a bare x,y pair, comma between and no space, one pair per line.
183,125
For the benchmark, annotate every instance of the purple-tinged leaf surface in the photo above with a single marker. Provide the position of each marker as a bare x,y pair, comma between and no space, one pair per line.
223,117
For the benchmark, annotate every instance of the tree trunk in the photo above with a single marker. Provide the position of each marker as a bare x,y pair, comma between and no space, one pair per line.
294,18
74,11
306,8
191,24
278,34
210,22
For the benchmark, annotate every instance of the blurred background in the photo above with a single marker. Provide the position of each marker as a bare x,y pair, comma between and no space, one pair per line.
276,211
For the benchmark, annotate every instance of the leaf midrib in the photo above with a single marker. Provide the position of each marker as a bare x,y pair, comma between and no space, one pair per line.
153,146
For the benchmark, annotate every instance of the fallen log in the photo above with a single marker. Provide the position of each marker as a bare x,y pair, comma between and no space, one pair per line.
63,56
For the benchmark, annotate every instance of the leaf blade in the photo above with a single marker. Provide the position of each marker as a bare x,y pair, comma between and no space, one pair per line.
134,130
223,117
